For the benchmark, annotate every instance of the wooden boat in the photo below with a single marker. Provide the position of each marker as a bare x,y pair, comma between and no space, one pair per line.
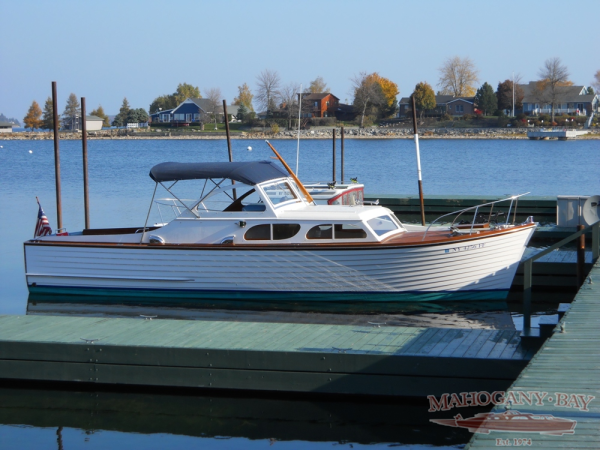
265,238
512,421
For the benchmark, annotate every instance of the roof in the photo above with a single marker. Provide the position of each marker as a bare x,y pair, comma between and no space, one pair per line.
317,96
7,124
94,118
252,172
464,99
564,94
439,99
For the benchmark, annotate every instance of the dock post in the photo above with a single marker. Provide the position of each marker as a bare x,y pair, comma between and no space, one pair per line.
56,158
595,241
342,139
333,179
527,281
228,141
86,197
580,256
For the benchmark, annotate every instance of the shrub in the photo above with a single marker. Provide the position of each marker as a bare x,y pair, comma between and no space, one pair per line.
447,116
522,116
325,121
503,121
499,113
274,128
545,117
516,123
468,117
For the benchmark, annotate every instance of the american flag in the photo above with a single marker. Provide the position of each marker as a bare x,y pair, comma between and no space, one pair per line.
42,227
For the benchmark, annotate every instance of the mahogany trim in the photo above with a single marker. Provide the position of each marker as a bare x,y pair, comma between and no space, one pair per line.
413,240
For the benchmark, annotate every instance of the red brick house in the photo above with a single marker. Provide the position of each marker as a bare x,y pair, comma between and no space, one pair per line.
323,105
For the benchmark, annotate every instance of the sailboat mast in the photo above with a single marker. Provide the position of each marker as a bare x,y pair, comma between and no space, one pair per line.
414,111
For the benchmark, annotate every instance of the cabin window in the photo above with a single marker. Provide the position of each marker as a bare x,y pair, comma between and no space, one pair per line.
349,231
382,225
285,230
320,232
280,192
259,233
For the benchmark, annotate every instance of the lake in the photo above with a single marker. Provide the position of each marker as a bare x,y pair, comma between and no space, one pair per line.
120,193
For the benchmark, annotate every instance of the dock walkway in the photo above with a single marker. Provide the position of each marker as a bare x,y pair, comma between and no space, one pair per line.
317,358
567,364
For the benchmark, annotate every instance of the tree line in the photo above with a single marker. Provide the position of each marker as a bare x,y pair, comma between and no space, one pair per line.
374,96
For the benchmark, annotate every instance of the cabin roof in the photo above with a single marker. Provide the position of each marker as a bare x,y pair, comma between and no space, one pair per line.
252,172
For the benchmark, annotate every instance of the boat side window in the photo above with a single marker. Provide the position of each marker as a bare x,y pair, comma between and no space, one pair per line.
259,233
382,225
285,230
349,231
320,232
280,192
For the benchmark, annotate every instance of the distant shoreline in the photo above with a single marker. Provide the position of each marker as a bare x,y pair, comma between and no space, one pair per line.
325,133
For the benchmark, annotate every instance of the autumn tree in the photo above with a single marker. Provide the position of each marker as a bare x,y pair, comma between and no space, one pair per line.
48,116
424,97
504,95
553,75
368,96
458,77
170,101
389,90
72,111
162,103
267,93
244,97
32,119
485,99
318,86
120,119
99,112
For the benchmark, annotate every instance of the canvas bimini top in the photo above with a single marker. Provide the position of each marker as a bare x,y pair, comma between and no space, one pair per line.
252,172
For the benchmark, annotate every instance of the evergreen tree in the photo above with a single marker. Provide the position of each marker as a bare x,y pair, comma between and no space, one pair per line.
32,119
485,99
71,112
242,112
138,115
121,118
48,116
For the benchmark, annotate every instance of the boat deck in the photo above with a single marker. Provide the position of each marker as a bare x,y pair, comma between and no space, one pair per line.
568,364
375,360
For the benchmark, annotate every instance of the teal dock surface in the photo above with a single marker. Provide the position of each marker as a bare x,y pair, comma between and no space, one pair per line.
567,368
316,358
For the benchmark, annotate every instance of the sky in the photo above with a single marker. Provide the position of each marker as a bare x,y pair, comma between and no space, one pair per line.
107,50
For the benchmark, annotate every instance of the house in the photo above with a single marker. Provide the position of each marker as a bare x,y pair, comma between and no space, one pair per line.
573,100
455,106
6,127
345,112
93,123
323,104
192,110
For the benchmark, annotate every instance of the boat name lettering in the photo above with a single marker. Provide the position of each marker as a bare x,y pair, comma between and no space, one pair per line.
446,402
464,248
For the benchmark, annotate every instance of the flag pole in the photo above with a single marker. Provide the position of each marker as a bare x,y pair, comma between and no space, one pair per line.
414,111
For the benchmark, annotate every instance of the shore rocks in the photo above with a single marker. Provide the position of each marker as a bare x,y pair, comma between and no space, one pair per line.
314,133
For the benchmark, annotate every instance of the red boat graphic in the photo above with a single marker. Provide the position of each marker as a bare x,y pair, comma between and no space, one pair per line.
512,421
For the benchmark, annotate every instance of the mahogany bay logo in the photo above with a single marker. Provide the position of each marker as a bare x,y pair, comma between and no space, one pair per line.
510,420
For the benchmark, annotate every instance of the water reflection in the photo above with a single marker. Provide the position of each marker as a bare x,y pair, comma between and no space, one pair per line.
471,314
260,422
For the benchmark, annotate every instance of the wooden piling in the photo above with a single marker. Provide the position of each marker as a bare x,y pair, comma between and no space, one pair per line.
333,164
86,198
56,158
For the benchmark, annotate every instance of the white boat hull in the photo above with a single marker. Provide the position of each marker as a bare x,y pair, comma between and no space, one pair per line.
475,268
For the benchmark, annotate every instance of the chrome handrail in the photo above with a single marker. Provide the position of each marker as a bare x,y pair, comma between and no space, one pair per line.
476,208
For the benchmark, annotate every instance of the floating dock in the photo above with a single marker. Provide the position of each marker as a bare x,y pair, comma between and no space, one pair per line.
561,135
567,364
374,360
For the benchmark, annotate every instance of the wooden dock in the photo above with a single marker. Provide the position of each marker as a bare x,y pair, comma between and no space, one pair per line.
556,269
369,360
569,364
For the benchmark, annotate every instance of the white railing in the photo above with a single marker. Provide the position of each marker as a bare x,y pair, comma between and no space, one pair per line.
559,111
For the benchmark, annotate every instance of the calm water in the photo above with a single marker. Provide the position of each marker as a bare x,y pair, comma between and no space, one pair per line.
120,192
